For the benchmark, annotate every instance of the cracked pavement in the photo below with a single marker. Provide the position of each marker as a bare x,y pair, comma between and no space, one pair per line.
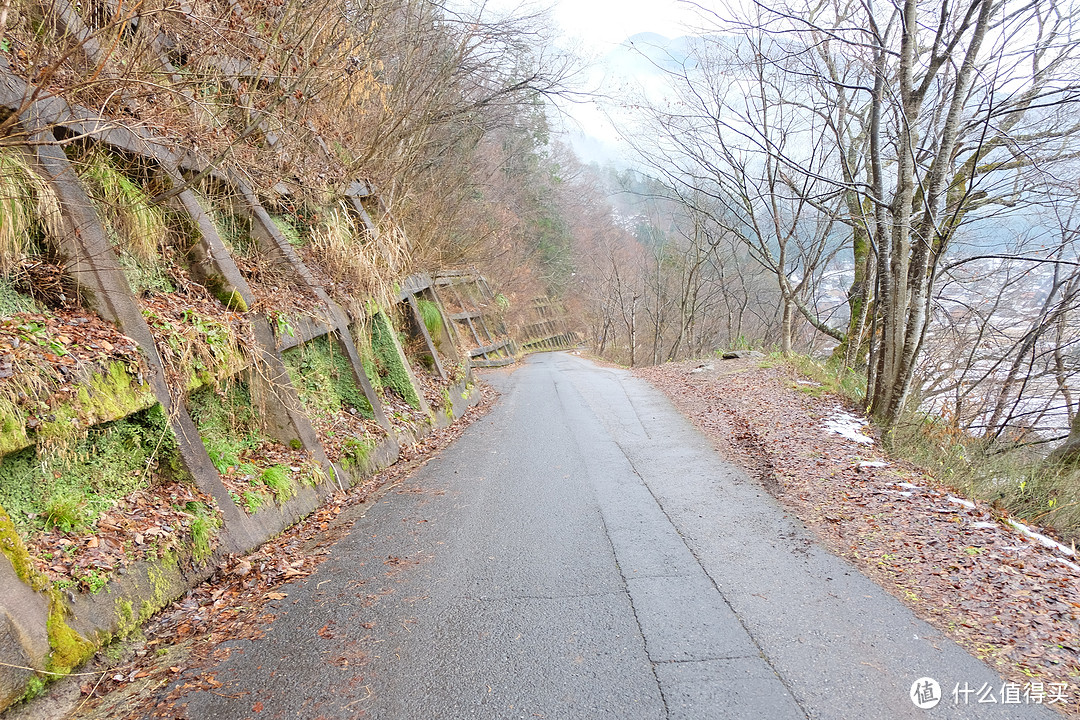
583,552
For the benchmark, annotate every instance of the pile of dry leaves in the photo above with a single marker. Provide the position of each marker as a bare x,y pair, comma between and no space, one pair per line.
143,525
1009,597
59,350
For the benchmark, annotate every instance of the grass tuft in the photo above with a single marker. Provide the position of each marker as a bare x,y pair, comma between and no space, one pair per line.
433,321
126,207
65,511
278,480
833,377
29,209
204,527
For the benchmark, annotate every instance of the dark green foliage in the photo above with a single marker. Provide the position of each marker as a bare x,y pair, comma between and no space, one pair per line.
323,375
70,489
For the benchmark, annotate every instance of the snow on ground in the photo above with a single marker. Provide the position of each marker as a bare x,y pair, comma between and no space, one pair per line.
844,423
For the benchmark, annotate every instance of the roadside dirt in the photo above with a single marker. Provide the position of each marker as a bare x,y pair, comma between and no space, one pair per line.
148,675
1008,599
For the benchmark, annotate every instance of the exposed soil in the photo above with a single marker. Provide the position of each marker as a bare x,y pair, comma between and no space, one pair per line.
1008,599
178,649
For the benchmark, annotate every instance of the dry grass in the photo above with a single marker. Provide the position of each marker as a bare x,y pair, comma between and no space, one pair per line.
362,265
139,225
29,209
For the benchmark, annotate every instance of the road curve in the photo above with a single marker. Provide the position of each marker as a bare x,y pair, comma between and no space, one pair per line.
582,552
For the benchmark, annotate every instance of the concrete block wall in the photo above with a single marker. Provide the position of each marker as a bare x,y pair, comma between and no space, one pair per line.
29,608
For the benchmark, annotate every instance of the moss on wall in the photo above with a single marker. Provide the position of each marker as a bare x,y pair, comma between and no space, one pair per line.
86,476
323,375
11,544
391,368
69,648
108,395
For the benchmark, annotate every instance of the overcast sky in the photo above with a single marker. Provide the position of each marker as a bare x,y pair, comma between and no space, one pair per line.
594,29
602,24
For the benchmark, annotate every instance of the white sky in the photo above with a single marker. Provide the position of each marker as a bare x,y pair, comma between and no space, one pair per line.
601,24
593,29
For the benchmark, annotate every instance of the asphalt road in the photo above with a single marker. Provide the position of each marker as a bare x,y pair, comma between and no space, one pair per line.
582,552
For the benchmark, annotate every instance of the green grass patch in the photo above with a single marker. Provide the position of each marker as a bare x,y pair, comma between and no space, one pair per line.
204,527
278,480
29,209
357,453
68,488
138,228
431,316
831,377
232,436
253,500
226,422
288,229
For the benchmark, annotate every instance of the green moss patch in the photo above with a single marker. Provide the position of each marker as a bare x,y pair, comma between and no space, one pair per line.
64,372
12,545
69,648
227,423
108,395
386,363
323,375
72,484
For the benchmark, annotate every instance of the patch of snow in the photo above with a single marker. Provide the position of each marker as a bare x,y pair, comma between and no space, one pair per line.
960,501
1040,538
983,525
1073,565
703,368
873,464
808,382
847,425
909,486
901,493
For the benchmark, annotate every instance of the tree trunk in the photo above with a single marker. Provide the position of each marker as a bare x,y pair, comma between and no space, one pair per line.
1068,453
787,326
